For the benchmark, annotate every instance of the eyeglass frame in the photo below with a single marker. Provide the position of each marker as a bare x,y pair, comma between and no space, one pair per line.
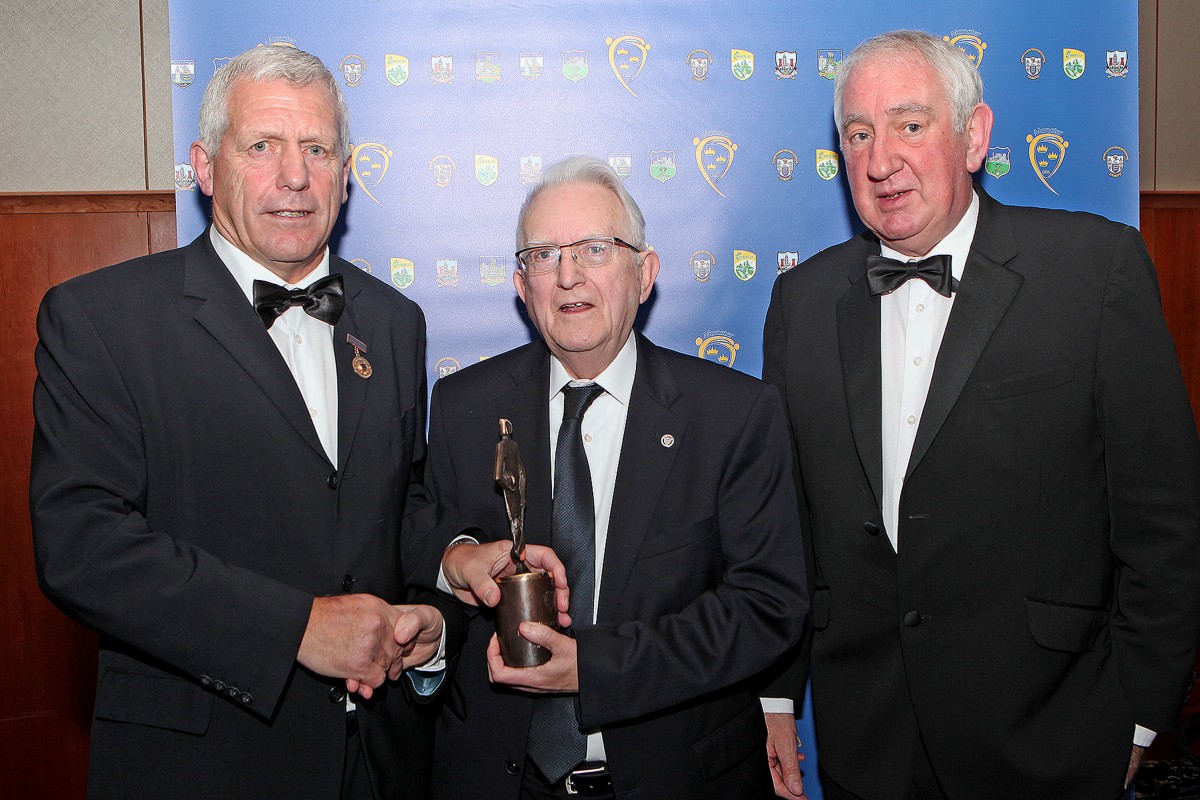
560,247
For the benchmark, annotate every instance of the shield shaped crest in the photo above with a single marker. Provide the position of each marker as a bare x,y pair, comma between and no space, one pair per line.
698,63
827,164
745,264
662,165
575,66
785,64
487,169
531,66
742,64
396,68
1074,63
443,68
403,272
999,162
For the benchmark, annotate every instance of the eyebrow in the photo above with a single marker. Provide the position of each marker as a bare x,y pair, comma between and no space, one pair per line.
909,108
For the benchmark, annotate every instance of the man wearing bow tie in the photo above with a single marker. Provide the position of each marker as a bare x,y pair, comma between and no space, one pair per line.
663,483
225,436
996,462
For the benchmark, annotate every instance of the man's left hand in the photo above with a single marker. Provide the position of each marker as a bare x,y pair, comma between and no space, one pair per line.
783,756
1135,761
558,675
418,633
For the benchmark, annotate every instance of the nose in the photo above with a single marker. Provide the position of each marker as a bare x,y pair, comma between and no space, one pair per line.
881,159
569,273
293,169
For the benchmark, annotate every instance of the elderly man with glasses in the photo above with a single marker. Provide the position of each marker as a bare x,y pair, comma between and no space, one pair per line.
664,484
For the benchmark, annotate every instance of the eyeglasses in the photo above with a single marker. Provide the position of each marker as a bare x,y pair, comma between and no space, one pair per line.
588,253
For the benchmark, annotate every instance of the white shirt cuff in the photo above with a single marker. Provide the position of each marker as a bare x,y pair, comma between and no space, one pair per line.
778,705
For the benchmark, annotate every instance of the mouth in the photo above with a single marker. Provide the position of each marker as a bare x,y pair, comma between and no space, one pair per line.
893,196
290,214
574,307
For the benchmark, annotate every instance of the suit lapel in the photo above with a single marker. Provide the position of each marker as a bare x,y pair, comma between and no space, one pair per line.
985,294
642,471
858,344
229,318
526,404
358,321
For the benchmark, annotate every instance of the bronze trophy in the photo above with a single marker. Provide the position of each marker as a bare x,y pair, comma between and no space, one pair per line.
524,595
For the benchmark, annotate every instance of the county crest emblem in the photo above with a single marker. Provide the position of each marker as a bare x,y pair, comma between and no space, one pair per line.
531,66
827,164
702,263
491,270
183,73
786,260
742,64
487,67
622,164
487,169
447,272
785,64
403,272
396,69
352,68
443,68
827,63
745,264
1074,63
531,169
1116,63
446,366
185,177
662,165
1114,160
442,168
785,164
698,63
575,65
998,162
1034,60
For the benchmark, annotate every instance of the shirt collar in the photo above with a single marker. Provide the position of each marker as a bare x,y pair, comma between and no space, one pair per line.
616,379
246,270
957,243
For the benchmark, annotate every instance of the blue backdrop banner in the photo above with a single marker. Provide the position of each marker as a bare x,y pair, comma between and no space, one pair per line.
718,116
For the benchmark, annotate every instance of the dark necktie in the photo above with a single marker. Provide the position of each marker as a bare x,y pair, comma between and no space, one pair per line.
556,744
323,300
886,275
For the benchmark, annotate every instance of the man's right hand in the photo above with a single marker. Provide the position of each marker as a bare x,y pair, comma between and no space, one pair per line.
353,637
471,571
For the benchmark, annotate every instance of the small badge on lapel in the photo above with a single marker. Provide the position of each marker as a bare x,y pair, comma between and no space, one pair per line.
361,366
667,440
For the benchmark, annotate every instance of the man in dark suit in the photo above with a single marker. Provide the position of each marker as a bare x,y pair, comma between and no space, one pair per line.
219,492
996,462
693,579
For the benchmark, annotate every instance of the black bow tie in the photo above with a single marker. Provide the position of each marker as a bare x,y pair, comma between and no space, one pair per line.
323,300
885,275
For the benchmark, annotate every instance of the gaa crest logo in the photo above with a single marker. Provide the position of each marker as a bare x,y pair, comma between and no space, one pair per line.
370,162
1074,63
698,62
491,270
998,162
786,260
714,157
662,165
185,177
442,168
446,366
575,65
827,63
1047,150
1116,63
1115,159
1034,60
785,64
827,164
622,164
531,169
221,61
742,64
362,264
487,169
443,68
970,43
403,272
745,264
183,73
396,69
487,67
702,263
785,164
352,68
447,272
627,57
717,346
531,66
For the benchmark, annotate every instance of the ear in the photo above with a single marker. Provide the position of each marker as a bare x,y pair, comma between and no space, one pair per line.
202,166
978,133
519,283
649,273
346,180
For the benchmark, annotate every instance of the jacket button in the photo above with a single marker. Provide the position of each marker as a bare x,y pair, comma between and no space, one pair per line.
871,528
233,691
332,480
205,681
512,768
337,694
912,619
347,583
246,698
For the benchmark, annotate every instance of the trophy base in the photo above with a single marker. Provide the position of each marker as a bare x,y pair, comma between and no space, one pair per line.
527,596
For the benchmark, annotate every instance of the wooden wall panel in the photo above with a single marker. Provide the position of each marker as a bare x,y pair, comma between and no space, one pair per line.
48,672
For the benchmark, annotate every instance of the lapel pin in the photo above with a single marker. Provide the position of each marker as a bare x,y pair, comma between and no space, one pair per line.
667,440
361,366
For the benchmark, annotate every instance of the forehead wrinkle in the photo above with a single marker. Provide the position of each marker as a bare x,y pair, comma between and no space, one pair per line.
908,108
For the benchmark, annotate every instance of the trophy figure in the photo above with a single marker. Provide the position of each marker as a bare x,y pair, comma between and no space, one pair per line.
524,595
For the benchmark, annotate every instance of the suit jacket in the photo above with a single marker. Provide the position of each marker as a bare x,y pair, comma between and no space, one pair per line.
1044,598
185,509
702,584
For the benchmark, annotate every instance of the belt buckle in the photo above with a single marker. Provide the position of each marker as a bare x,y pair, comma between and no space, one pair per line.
589,779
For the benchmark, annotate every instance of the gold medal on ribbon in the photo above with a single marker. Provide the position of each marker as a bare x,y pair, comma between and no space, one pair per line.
361,366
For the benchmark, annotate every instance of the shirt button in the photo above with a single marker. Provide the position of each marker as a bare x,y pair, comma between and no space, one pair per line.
587,437
920,307
312,412
299,339
918,361
911,419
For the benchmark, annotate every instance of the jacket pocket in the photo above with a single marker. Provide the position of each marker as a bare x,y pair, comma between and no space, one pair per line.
1028,384
160,701
1067,628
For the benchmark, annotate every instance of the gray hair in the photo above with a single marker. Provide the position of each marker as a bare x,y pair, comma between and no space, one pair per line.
960,79
588,169
268,63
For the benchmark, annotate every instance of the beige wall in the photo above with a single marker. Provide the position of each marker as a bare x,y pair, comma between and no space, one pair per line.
78,115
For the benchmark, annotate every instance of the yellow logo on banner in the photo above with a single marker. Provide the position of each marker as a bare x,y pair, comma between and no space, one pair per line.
403,272
714,157
719,347
1074,62
745,264
396,68
370,163
487,169
1047,151
970,43
627,56
827,164
742,64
